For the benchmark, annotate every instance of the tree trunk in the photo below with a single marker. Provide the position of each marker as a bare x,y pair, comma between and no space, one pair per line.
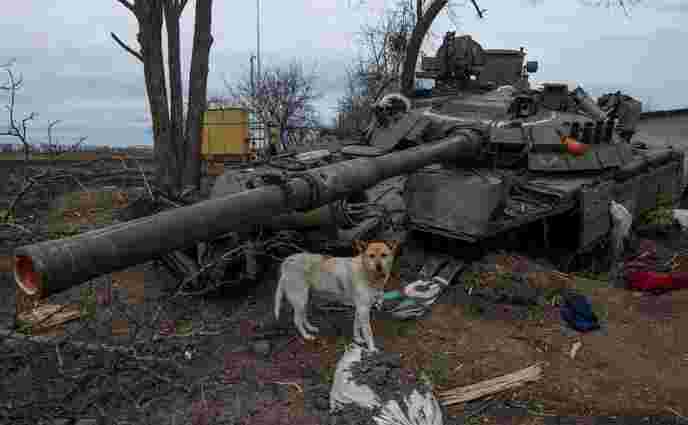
282,139
178,144
419,31
198,86
150,17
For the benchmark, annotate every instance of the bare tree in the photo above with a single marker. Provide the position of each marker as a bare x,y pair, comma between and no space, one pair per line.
383,47
427,10
16,128
382,52
625,5
411,33
176,141
55,149
284,96
354,108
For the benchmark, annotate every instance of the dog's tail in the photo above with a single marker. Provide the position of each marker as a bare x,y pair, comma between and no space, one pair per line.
278,297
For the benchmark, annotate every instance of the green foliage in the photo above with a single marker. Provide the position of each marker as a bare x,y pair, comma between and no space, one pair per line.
6,216
24,327
99,206
474,420
399,328
342,343
664,200
553,296
87,303
600,311
62,230
471,279
327,372
183,327
102,200
595,276
657,216
536,313
662,214
473,310
587,282
504,280
535,407
438,369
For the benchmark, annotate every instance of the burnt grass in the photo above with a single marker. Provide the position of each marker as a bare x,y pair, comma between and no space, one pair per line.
237,366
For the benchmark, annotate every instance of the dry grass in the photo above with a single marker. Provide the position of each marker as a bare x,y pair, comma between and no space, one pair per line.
77,209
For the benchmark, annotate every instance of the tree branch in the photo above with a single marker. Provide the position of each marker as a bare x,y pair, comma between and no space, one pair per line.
31,116
123,45
128,5
478,9
50,129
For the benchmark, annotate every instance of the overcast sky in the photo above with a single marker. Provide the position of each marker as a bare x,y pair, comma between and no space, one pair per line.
74,72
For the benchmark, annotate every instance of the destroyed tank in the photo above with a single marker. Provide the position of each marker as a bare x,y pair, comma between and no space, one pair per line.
552,160
483,152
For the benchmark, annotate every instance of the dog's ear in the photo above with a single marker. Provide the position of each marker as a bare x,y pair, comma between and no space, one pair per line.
359,246
393,245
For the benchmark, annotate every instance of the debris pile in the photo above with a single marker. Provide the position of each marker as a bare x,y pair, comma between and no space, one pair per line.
513,279
383,373
373,388
645,271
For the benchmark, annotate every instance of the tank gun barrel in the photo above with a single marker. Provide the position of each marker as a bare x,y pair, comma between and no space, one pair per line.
52,266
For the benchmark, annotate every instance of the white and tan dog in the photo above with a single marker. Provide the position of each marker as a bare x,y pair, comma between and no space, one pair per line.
357,281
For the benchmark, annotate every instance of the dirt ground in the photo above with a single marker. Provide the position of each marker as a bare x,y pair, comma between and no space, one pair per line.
224,358
636,365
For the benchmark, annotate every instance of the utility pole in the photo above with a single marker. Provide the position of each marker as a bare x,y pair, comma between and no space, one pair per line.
258,35
253,77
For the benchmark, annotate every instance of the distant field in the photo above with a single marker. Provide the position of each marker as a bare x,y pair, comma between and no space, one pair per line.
68,156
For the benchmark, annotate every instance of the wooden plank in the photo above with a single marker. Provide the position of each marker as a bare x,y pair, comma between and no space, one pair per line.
490,386
47,316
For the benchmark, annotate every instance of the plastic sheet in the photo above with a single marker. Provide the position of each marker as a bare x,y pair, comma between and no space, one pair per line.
415,299
681,217
399,406
621,226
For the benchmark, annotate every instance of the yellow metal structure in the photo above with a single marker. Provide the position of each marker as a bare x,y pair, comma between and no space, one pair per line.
225,134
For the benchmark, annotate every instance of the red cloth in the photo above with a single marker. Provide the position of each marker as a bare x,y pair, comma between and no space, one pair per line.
646,260
653,281
641,275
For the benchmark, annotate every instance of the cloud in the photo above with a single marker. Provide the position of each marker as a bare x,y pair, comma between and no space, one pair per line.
676,6
75,72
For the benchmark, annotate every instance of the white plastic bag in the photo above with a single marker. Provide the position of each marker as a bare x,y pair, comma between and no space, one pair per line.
422,407
684,180
681,217
621,226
